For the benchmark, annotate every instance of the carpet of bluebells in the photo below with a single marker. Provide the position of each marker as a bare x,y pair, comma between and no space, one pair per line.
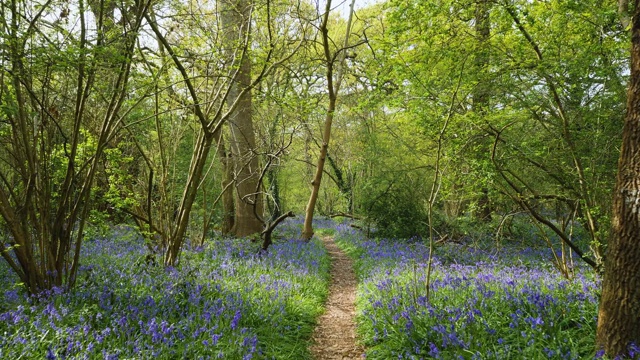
510,304
222,301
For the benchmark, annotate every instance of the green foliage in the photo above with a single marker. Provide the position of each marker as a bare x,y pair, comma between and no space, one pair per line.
464,228
538,102
551,91
326,232
59,160
119,175
395,207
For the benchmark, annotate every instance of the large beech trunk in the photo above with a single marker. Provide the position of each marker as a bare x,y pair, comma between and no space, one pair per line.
619,314
242,144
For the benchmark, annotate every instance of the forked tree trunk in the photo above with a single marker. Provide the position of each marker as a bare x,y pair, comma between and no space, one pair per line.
210,126
307,231
196,169
619,312
207,135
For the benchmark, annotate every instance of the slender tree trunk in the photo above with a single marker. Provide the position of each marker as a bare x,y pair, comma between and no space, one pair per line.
228,206
482,91
248,202
435,185
619,312
276,208
344,185
196,169
307,231
198,158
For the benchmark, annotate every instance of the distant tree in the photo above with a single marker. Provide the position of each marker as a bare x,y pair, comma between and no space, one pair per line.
211,59
482,91
619,312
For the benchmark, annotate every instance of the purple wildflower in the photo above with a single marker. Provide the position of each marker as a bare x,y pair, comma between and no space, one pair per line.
50,354
236,320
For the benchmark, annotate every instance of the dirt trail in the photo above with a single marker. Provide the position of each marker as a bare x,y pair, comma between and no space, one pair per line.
335,336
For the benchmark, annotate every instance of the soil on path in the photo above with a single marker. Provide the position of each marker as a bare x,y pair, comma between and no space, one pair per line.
335,336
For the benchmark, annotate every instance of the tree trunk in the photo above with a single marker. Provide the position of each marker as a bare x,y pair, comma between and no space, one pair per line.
196,168
228,206
482,91
248,202
307,231
619,313
344,185
276,208
483,211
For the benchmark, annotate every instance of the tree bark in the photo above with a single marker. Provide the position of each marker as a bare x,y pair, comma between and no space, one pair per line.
268,231
235,18
619,312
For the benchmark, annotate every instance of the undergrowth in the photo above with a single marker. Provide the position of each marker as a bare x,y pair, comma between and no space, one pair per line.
507,304
221,301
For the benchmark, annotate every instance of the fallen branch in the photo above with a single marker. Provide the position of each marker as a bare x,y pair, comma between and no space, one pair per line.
266,233
343,214
443,239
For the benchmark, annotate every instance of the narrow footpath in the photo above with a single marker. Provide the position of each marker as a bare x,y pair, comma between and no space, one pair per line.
335,336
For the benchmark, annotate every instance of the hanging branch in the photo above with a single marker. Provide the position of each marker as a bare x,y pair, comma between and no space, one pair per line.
592,225
520,199
266,233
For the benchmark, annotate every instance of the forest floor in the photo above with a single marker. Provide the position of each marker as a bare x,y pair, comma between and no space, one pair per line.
335,336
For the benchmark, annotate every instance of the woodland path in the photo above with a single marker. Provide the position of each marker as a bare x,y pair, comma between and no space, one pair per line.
334,337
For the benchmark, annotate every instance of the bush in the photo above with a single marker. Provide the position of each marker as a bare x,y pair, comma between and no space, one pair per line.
395,209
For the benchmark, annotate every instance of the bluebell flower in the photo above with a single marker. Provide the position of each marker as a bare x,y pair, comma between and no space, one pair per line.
50,354
634,350
433,350
214,339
